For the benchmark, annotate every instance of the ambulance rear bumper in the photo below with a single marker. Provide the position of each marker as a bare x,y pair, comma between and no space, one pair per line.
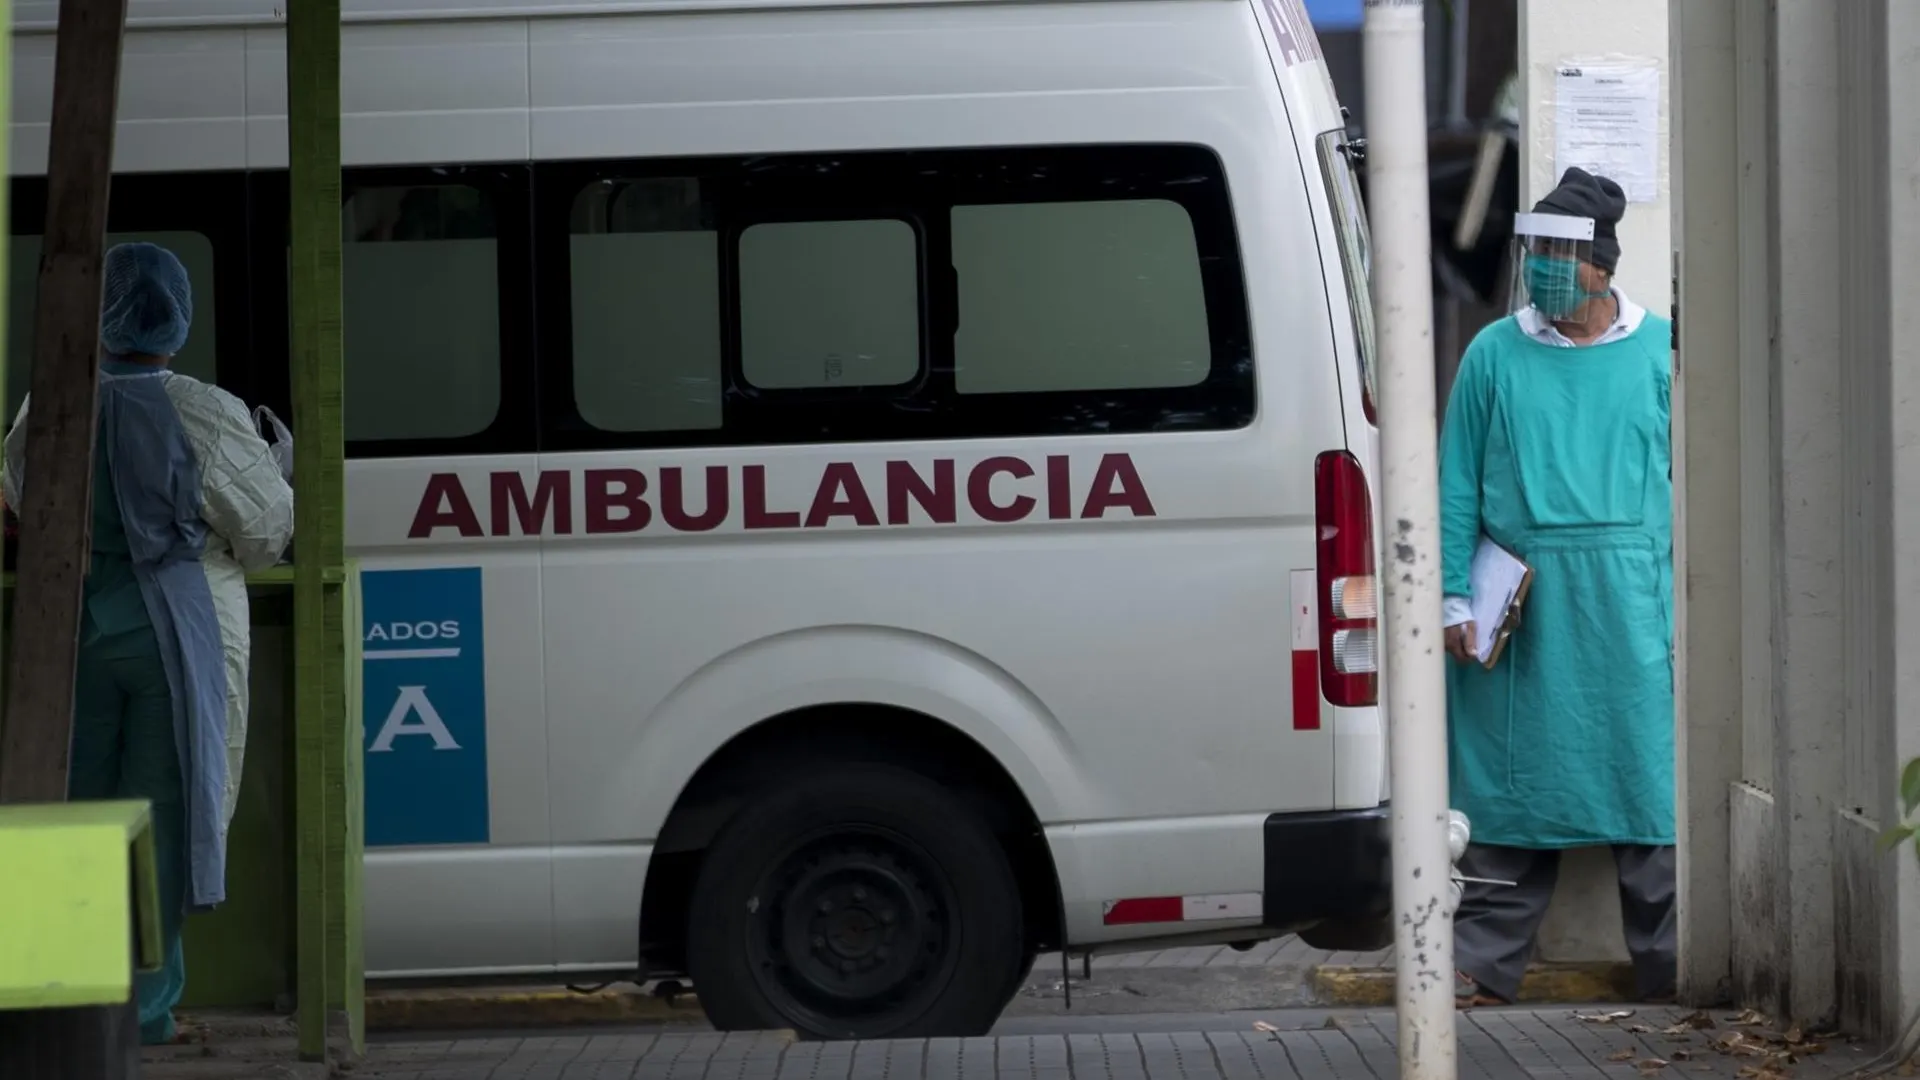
1332,865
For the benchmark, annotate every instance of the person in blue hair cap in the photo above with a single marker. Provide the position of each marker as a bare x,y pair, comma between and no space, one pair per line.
187,499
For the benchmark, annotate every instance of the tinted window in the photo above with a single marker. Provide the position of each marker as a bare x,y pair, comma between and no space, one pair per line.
1078,296
421,311
902,295
645,307
195,252
829,303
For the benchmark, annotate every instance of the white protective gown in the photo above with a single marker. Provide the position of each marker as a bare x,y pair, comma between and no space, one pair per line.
248,508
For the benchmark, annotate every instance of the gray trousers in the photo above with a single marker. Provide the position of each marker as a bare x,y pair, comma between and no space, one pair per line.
1493,932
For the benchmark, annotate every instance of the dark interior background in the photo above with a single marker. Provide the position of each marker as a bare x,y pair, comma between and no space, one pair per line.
1472,48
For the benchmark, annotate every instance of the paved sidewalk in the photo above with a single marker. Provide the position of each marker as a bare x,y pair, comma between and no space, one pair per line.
1503,1044
1272,975
1285,952
1284,973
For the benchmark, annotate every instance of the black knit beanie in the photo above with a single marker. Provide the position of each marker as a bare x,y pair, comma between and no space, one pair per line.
1582,194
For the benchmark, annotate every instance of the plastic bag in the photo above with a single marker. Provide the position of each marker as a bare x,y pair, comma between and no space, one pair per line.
279,439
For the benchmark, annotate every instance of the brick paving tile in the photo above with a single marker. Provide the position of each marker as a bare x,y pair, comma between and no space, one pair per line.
1493,1044
1288,952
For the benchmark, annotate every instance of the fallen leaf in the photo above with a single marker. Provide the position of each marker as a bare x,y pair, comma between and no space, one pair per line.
1749,1018
1683,1055
1734,1042
1262,1025
1620,1055
1640,1029
1602,1018
1795,1036
1649,1065
1698,1020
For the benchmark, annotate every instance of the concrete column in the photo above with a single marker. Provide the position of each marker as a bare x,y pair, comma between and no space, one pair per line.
1811,479
1706,407
1583,924
1877,896
1750,812
1801,370
1901,933
1863,311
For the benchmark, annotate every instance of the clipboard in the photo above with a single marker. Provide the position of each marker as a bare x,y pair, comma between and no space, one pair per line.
1501,581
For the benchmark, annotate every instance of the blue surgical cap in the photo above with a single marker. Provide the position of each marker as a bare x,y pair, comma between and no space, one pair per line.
146,304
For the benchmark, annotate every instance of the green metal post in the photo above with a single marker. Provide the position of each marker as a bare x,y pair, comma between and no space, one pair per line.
327,746
6,237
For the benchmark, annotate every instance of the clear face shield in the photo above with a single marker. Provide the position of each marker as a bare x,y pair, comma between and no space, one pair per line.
1553,270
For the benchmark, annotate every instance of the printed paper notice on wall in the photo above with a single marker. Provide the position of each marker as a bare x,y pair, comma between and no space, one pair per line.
1607,121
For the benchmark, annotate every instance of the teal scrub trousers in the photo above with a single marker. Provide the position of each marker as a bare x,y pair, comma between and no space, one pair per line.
124,748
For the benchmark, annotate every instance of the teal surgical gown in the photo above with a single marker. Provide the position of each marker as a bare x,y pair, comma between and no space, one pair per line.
125,738
1561,455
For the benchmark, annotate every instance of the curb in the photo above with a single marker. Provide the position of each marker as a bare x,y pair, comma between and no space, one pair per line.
467,1008
1554,984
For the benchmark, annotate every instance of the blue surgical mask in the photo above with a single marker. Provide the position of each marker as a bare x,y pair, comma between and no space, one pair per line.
1553,286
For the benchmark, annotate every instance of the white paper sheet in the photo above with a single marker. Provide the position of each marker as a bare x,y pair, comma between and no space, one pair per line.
1495,579
1607,121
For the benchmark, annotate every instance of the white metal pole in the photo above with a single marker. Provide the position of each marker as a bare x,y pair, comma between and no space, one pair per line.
1396,120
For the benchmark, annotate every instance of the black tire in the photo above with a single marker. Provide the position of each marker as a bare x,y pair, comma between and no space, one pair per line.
860,902
1023,971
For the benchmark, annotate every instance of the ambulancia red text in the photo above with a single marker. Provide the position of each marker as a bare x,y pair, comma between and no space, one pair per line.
994,490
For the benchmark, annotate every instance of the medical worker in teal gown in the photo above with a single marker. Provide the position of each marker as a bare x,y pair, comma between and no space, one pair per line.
186,498
1555,447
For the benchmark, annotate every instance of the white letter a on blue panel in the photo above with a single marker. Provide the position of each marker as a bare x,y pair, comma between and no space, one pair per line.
413,702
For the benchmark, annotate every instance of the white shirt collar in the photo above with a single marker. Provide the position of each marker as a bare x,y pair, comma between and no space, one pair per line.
1625,321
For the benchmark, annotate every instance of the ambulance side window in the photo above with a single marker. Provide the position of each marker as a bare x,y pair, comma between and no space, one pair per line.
197,357
1078,296
420,302
891,295
643,260
201,218
436,307
827,304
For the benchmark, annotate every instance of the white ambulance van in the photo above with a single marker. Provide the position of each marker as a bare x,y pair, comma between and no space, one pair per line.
851,495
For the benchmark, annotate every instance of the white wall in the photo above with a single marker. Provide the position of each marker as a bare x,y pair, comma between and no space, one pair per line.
1584,921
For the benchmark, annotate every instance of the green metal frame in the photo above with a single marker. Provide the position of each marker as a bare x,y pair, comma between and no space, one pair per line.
329,808
79,903
6,235
328,821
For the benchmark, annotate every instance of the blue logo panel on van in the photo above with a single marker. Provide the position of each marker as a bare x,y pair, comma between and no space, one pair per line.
424,672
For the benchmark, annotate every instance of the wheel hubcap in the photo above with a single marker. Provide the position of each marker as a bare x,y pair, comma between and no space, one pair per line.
858,926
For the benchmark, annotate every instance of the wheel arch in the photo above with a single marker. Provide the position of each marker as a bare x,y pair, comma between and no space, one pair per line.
839,732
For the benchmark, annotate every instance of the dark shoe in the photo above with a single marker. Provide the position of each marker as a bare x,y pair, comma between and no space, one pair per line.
1469,994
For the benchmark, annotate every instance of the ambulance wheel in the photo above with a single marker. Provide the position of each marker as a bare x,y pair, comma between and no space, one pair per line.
861,902
1023,971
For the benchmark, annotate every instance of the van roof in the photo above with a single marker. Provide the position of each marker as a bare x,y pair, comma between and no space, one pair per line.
40,16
